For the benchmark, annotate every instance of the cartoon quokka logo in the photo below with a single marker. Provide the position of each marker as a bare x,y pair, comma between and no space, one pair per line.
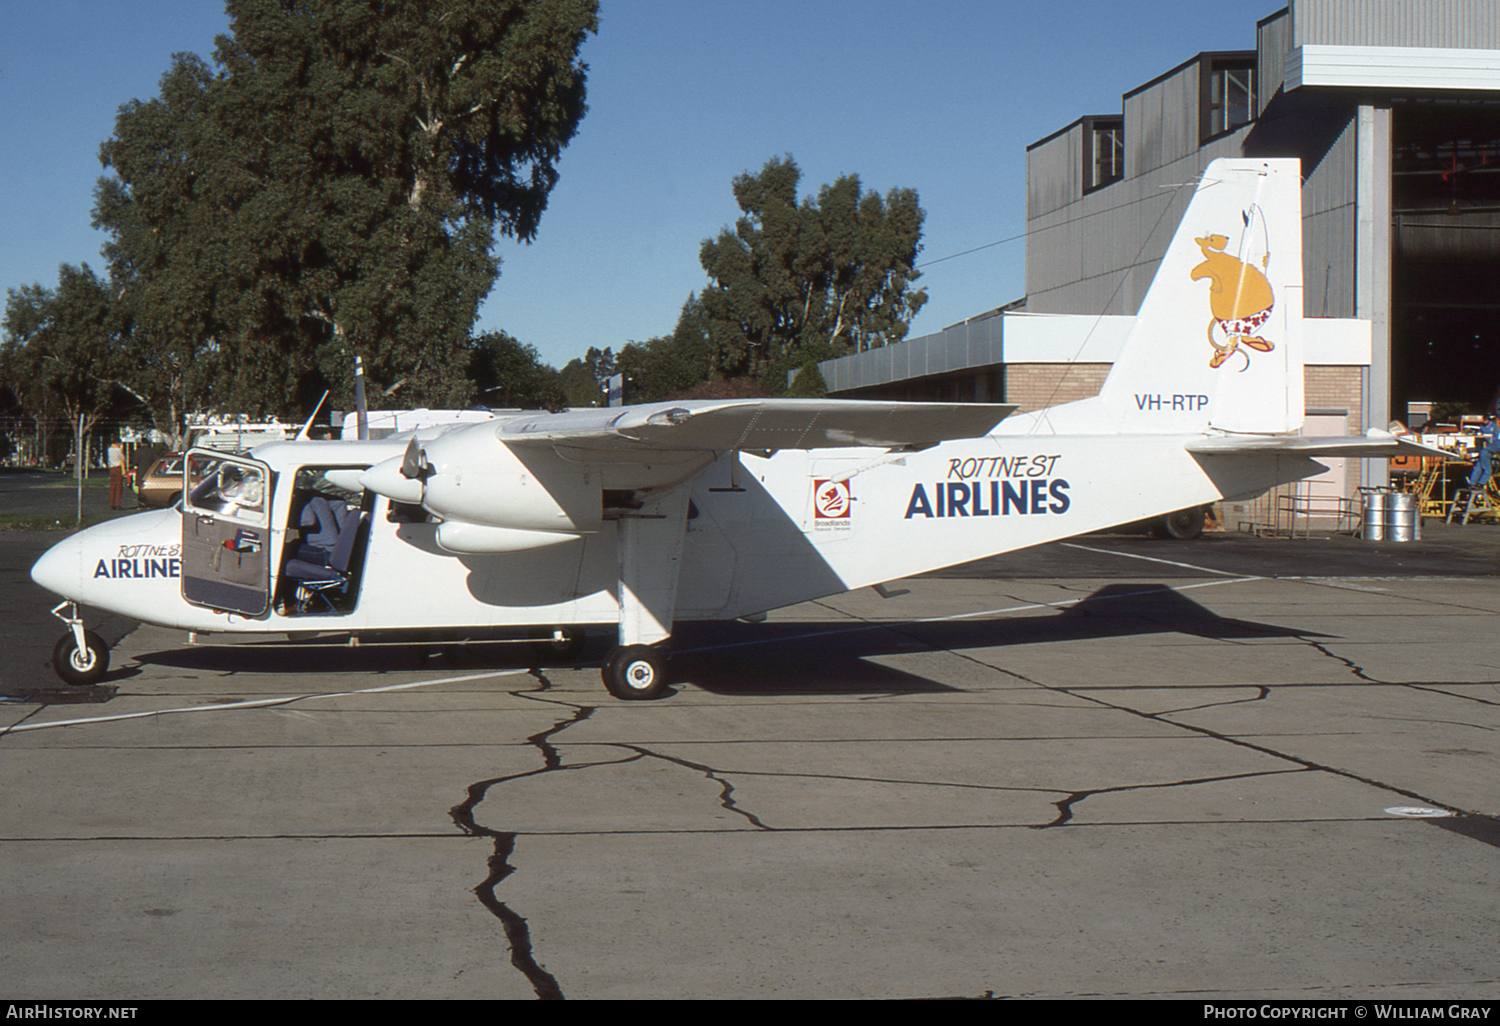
1239,296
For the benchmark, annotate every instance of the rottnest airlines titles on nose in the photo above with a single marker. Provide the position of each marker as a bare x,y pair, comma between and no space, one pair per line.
139,561
994,486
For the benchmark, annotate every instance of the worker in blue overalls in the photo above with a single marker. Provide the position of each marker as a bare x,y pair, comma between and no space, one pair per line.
1489,443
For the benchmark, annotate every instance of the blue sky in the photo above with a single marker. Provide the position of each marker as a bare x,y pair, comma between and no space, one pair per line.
942,96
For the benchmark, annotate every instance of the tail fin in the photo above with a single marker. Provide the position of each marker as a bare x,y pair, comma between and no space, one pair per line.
1218,340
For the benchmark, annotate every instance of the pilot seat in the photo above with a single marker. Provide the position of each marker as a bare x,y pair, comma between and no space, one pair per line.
320,567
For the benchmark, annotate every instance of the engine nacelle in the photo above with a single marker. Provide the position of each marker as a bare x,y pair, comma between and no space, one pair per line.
474,477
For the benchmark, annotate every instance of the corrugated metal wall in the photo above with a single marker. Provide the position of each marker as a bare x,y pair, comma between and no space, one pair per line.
1459,24
1161,121
1097,253
1273,38
1054,171
1328,223
973,344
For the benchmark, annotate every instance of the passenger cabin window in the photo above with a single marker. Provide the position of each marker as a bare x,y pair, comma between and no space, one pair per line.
1103,152
1228,93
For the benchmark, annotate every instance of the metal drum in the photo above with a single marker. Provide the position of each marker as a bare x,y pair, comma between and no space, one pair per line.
1373,527
1401,521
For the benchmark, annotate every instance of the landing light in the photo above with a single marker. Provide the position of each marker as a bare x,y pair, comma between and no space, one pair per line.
667,418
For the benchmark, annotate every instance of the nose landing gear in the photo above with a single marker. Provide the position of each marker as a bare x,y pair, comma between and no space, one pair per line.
80,656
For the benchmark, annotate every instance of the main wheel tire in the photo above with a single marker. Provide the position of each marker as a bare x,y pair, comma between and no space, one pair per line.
84,666
635,673
1184,525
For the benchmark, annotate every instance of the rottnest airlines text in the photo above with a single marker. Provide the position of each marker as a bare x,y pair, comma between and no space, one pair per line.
993,486
1029,497
142,561
116,568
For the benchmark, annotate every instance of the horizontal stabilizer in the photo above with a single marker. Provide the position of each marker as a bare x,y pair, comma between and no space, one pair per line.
756,425
1375,445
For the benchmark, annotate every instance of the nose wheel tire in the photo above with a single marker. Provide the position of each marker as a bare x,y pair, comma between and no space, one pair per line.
635,673
81,666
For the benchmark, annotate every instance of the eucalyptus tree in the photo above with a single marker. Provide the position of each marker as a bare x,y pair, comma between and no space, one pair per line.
670,366
168,247
508,373
810,279
334,184
62,347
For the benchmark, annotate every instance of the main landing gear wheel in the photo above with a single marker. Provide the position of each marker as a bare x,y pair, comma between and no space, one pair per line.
635,672
81,666
1184,525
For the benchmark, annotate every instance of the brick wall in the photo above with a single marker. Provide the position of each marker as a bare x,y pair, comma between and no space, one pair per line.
1336,388
1034,386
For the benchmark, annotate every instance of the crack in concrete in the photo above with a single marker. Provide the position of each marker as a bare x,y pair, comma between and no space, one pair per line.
726,789
1262,692
517,931
1065,806
1353,667
1469,824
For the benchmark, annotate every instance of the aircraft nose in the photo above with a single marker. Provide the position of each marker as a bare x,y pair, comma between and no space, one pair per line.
386,479
60,569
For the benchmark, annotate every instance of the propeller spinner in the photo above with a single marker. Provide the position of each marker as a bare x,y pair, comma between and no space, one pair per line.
400,478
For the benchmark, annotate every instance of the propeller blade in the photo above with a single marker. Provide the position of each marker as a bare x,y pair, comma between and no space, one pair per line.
414,462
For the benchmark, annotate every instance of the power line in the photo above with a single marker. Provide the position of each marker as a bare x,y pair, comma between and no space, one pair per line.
1058,224
976,249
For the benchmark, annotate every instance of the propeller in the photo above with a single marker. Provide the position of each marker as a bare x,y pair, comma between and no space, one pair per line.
414,465
400,478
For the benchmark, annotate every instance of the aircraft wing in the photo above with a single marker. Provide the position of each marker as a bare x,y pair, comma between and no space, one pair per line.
1374,445
755,424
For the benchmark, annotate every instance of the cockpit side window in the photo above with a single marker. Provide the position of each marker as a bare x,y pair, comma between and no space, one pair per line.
230,488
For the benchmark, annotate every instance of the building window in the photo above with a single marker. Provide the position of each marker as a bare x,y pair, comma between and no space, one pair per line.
1228,93
1103,151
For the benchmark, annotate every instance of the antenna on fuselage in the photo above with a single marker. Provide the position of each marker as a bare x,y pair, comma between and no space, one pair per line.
302,435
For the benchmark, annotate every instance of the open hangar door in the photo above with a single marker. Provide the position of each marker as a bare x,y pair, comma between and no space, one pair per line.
1445,260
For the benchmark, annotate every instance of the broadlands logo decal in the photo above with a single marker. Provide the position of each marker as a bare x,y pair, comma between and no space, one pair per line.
832,503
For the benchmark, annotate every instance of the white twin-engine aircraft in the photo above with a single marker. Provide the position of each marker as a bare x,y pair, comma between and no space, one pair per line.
637,517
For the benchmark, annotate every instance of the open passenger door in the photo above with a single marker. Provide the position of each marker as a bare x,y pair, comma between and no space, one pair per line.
226,536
